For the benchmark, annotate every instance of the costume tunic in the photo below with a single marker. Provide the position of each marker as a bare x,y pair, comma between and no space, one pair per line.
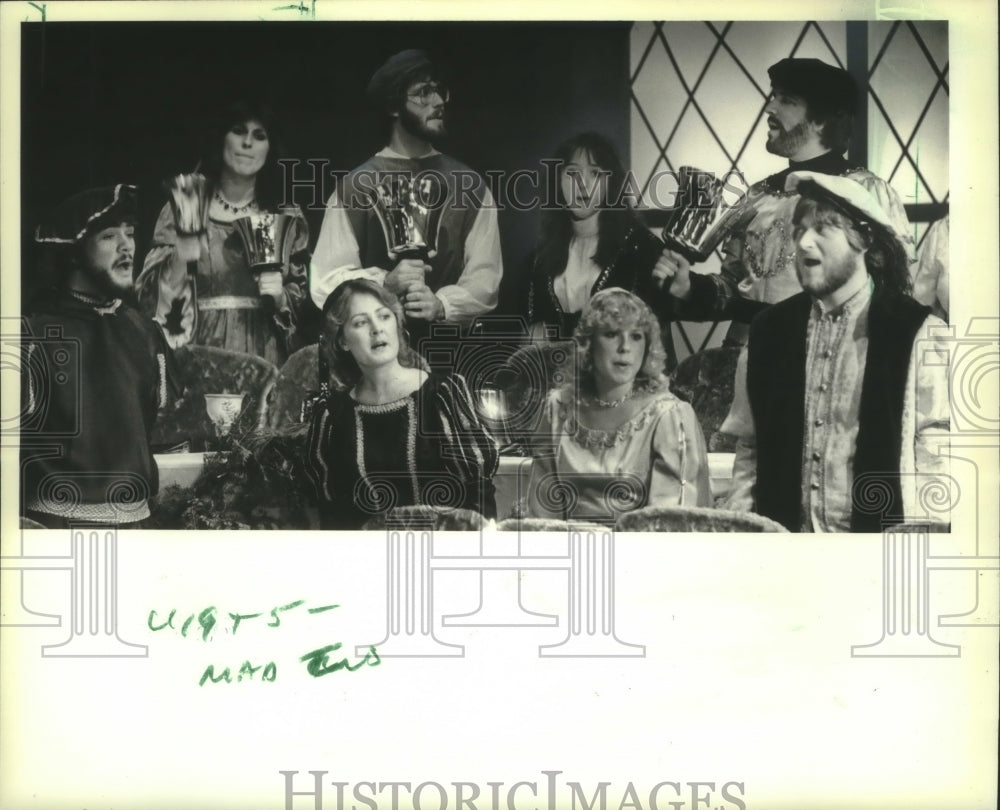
656,458
759,263
837,408
467,266
96,376
930,275
220,305
429,447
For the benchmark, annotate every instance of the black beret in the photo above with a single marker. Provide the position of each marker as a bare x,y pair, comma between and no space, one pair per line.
823,86
399,69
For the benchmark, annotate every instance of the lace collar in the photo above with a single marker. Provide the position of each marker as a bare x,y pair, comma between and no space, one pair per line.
591,438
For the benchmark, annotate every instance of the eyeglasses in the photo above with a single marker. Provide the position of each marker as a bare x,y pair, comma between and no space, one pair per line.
423,92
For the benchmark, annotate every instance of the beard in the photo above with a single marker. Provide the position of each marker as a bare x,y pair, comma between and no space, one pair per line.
110,285
415,125
835,276
788,141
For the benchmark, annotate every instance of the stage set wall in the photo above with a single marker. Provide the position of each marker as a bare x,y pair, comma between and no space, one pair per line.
698,91
127,102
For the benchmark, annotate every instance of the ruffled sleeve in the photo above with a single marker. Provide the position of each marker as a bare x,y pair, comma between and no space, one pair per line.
316,465
930,276
469,450
679,468
295,281
543,499
739,423
166,284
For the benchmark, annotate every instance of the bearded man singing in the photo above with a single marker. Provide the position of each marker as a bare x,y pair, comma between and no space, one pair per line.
810,119
842,396
95,371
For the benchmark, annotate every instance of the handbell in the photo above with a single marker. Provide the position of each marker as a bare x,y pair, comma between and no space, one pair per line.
188,196
409,210
267,240
703,217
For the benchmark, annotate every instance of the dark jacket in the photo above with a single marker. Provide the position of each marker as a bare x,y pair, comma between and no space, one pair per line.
91,388
776,378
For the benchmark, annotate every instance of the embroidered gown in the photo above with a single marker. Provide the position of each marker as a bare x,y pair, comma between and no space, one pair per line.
220,305
656,458
429,447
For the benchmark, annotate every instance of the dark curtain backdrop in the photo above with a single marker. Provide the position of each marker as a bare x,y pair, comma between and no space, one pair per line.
126,102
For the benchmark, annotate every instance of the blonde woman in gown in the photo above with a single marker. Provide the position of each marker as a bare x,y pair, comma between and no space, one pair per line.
614,438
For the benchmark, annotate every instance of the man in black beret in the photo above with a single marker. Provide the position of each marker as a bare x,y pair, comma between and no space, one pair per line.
94,371
460,280
810,117
842,398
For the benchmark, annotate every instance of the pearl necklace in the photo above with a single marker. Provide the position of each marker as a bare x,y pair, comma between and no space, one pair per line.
234,209
611,403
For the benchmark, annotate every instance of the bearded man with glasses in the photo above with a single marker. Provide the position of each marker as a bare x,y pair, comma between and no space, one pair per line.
461,279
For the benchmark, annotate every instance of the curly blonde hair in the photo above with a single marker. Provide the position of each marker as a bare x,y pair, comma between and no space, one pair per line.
616,308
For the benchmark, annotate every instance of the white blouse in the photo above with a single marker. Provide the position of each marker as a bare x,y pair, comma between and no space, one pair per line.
573,286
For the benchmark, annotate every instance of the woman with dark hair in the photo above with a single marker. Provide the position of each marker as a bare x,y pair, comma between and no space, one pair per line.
614,438
390,433
200,289
589,239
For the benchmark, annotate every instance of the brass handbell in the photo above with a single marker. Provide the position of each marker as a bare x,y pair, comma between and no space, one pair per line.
703,217
267,240
188,196
409,211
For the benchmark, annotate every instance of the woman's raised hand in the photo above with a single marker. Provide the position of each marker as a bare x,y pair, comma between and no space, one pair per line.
270,283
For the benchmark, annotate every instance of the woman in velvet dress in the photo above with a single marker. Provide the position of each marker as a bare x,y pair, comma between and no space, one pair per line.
392,434
589,240
201,290
614,438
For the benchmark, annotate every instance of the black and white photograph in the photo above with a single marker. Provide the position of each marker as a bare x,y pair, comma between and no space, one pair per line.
607,367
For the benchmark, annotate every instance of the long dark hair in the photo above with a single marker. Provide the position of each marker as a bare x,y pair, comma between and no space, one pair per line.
615,219
269,187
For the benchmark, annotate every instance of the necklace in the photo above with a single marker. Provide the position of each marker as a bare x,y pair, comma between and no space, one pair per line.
101,306
611,403
234,209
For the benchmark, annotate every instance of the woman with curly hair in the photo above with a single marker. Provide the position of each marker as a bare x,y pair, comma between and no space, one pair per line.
390,433
200,289
614,438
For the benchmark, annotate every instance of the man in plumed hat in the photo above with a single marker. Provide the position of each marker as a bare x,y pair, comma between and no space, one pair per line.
841,406
810,116
95,371
461,280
